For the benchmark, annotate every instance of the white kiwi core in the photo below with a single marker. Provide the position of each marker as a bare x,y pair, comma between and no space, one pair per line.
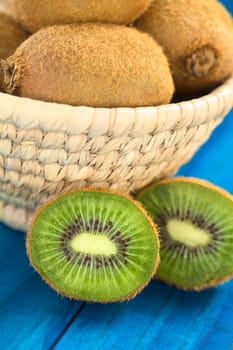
187,233
93,244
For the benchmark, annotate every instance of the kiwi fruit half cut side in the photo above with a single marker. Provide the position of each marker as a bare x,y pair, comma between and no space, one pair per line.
195,221
94,245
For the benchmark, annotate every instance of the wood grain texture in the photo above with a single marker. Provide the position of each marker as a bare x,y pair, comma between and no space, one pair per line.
32,316
163,317
160,318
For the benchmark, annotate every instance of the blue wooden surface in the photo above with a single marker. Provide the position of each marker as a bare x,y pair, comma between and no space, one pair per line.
32,316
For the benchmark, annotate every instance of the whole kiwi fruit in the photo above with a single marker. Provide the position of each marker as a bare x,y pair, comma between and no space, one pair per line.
98,65
197,37
36,14
195,222
11,36
94,245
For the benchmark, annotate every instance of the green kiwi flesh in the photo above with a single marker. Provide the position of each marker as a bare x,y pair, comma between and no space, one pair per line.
195,221
94,245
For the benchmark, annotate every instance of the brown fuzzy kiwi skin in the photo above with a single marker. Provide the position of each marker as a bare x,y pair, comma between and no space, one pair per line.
197,37
11,36
207,184
36,14
101,190
5,6
211,284
96,65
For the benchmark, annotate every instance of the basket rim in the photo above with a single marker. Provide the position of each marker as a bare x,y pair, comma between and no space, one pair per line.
26,113
228,83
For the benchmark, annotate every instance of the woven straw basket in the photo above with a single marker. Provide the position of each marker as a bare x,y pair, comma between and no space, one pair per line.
46,148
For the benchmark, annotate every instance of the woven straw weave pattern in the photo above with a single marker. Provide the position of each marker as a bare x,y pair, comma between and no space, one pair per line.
46,148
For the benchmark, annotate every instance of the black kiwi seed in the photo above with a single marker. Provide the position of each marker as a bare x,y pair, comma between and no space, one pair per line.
94,245
78,227
195,221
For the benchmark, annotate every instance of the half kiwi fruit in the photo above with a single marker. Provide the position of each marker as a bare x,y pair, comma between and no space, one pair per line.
94,245
195,221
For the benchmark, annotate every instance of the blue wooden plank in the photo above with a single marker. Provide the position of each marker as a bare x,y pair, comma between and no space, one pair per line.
228,4
163,317
14,267
160,318
32,316
214,162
